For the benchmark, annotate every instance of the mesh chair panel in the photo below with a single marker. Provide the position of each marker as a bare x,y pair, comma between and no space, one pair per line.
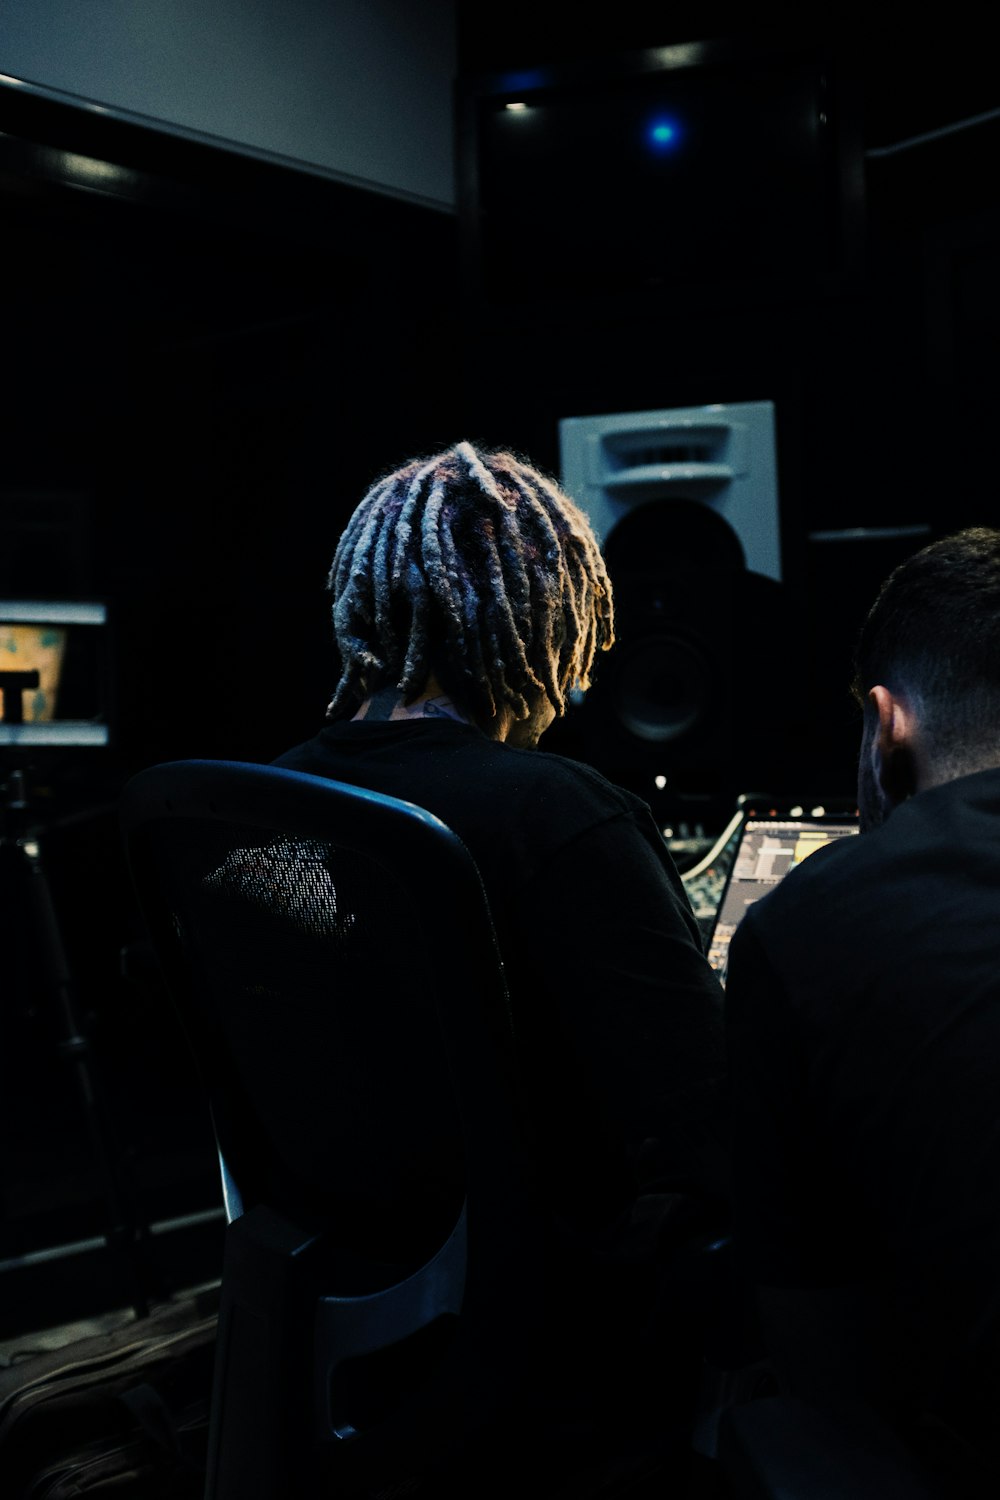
299,952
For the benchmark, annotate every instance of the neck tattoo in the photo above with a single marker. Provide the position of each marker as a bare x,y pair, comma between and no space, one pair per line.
387,704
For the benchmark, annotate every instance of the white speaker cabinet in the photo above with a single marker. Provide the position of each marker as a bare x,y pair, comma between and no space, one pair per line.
723,457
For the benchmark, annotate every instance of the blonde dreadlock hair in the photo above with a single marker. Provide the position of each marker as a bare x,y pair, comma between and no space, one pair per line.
474,566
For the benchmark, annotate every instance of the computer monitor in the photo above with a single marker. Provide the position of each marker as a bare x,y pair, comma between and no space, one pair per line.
771,841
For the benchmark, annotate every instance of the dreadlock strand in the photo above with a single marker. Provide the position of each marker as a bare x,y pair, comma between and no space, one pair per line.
413,480
381,584
457,600
356,609
588,598
544,588
508,574
415,573
508,646
454,600
347,546
478,470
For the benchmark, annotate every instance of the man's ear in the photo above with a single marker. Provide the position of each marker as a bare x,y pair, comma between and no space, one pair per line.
895,719
895,741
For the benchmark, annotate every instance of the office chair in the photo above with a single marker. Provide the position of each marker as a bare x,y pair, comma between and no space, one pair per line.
388,1270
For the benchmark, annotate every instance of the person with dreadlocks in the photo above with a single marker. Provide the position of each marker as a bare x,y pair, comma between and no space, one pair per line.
469,599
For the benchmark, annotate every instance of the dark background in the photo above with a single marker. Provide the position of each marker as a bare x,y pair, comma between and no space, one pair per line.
206,361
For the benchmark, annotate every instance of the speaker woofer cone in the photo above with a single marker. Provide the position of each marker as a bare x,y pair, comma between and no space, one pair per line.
662,689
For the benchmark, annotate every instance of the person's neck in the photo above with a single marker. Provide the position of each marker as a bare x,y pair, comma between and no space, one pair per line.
390,704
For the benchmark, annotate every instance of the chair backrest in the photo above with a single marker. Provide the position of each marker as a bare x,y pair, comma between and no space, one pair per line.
332,957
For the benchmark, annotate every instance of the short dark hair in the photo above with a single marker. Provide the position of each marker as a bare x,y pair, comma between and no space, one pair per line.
474,566
933,632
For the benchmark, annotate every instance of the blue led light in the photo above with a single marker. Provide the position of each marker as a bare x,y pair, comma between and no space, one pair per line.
663,135
515,83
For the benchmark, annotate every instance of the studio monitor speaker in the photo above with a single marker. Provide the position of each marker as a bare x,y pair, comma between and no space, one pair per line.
684,503
720,457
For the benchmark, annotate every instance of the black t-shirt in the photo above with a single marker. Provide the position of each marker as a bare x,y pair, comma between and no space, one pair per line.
863,1029
617,1012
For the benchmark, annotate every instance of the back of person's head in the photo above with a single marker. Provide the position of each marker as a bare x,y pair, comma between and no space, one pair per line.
932,636
474,567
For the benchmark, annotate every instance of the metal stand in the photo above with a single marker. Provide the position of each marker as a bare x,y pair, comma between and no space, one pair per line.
126,1236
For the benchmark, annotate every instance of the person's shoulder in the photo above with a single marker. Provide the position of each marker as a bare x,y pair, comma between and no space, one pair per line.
949,817
301,757
553,773
839,869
